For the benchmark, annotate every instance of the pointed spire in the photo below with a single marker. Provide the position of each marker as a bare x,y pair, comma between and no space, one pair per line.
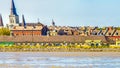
1,21
38,20
13,9
23,21
53,23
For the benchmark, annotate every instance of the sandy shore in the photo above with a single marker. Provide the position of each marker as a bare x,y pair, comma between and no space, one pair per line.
67,54
82,54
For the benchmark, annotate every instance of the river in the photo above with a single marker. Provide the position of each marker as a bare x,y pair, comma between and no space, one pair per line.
58,60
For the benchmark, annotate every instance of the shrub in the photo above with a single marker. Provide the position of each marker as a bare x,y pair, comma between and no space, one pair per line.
4,31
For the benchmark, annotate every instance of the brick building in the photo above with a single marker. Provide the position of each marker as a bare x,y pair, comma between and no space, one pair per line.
16,31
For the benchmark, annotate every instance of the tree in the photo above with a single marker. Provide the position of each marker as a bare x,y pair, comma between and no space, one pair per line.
4,31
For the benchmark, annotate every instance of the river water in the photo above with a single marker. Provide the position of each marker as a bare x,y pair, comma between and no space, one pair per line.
46,60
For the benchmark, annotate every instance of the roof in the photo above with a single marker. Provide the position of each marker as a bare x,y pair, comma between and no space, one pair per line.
29,38
32,24
13,9
27,28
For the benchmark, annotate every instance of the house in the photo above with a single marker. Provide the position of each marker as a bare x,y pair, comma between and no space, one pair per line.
29,30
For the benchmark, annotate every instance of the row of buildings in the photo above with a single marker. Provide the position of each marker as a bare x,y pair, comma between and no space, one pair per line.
35,30
38,28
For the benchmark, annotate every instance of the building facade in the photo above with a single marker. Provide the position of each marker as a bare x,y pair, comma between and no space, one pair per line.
38,28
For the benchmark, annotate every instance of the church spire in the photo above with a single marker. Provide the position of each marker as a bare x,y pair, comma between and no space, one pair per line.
1,21
53,23
13,9
23,21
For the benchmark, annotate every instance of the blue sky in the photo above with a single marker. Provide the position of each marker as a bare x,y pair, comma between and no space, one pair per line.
66,12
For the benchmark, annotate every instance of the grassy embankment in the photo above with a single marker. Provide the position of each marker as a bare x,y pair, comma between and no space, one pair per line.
62,48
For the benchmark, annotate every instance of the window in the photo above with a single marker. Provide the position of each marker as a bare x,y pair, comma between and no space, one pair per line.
95,33
17,34
12,21
109,33
116,33
101,33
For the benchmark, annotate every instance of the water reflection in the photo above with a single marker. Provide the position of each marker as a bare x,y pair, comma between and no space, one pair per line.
35,60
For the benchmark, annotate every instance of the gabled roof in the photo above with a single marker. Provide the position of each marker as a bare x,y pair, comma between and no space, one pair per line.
16,28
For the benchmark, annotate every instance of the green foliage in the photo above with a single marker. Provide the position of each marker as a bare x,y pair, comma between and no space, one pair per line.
6,43
4,31
62,48
118,28
103,28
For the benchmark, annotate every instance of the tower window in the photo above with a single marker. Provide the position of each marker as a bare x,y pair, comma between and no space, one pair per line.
12,21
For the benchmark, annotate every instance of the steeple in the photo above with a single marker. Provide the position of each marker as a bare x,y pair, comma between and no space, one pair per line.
38,20
1,21
13,17
23,21
13,9
53,23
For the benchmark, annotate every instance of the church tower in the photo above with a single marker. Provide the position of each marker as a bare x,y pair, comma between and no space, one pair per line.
13,17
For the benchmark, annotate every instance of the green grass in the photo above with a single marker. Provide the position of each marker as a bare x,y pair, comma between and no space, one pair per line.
62,48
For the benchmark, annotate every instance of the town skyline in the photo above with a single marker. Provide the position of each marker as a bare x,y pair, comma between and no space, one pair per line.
74,13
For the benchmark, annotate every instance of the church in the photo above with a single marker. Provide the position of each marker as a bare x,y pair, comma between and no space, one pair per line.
24,28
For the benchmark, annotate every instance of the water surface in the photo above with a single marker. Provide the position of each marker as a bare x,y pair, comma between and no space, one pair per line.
52,60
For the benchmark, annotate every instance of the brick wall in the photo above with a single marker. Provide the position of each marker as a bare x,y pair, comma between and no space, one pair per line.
26,32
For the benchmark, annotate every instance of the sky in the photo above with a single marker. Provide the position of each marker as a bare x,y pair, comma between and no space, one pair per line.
65,12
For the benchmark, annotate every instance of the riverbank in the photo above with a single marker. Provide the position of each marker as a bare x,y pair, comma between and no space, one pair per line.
65,54
59,49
